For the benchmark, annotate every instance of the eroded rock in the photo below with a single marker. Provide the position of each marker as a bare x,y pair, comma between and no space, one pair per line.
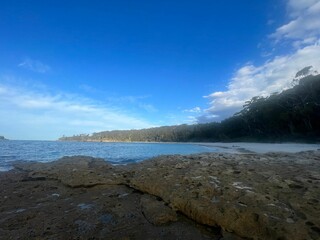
259,197
78,171
51,210
255,196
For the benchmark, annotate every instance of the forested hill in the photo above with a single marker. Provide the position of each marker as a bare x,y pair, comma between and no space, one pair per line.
292,115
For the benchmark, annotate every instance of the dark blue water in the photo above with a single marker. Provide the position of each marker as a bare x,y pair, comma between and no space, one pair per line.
116,153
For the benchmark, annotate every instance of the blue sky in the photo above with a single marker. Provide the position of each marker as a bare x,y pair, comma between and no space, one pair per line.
70,67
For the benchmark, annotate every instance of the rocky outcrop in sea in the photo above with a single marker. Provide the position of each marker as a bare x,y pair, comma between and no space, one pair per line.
203,196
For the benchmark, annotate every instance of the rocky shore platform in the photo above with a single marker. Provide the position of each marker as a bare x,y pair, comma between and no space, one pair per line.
202,196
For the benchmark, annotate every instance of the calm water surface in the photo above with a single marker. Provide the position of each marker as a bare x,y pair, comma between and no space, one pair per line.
116,153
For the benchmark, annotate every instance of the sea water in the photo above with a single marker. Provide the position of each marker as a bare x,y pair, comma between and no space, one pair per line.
115,153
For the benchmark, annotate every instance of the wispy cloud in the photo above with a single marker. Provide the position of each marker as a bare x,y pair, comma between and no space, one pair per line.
273,76
34,66
193,110
277,73
37,115
134,101
148,107
303,27
128,99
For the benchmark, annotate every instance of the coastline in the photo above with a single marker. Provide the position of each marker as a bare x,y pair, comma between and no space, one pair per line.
252,147
236,147
258,196
124,152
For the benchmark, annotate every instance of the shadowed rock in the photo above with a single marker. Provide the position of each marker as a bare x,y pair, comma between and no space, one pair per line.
156,212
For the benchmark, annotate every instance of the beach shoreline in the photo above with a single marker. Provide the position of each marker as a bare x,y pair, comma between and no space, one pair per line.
252,147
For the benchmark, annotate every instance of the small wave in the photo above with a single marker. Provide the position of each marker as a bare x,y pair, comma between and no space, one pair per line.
123,161
5,168
8,157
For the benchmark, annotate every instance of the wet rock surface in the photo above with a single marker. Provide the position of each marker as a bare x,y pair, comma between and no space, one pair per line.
203,196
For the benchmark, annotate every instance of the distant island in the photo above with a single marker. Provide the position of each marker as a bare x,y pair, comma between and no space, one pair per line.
2,138
292,115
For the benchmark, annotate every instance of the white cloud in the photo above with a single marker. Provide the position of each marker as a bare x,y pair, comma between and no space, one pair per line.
193,110
34,65
273,76
30,114
277,73
304,24
296,6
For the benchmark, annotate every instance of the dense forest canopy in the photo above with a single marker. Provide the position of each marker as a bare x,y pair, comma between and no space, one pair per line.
292,115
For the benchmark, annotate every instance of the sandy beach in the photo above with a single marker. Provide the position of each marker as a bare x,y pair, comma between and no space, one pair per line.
247,147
